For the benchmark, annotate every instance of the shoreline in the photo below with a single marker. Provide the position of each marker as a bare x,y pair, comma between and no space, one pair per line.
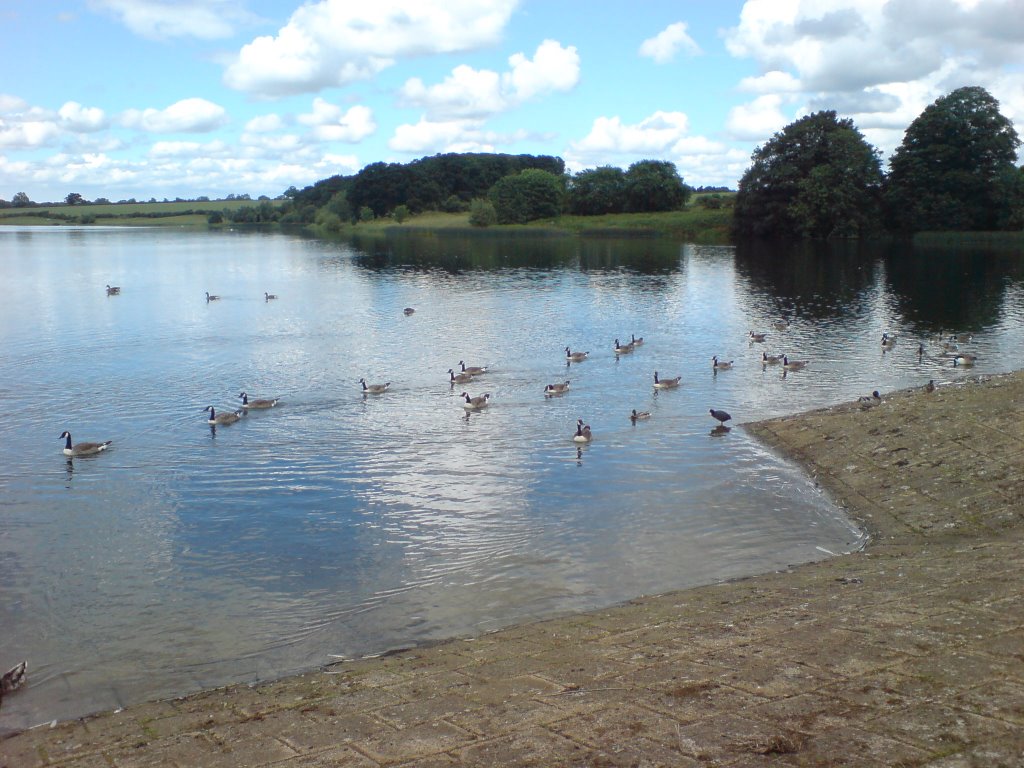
906,651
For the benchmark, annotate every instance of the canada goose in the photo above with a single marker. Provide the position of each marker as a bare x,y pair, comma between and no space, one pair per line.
920,350
473,370
635,341
965,359
721,365
767,359
930,386
222,418
13,678
722,416
793,365
476,403
575,357
556,389
636,415
408,311
781,325
758,336
113,290
622,349
461,378
211,297
583,433
867,401
888,342
82,449
374,389
666,383
962,338
247,403
268,296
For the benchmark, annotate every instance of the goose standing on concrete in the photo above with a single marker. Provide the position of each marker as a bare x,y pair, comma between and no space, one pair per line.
374,389
222,419
82,449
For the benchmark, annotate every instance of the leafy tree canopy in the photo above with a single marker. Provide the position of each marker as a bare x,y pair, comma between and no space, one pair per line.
526,196
954,165
817,177
654,185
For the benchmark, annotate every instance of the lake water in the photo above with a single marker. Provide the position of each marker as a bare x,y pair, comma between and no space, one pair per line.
340,525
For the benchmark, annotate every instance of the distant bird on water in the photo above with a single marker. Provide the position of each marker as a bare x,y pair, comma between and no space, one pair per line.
374,389
269,296
222,419
636,415
82,449
666,383
583,433
720,365
113,290
408,310
13,678
212,297
793,365
259,403
473,370
556,389
476,403
575,357
965,359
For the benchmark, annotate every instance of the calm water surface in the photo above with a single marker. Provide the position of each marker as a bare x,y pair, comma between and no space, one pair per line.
338,525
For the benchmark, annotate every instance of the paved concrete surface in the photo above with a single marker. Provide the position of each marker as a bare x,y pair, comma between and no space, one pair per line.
910,653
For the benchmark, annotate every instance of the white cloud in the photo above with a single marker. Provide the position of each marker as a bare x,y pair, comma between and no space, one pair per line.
81,119
28,134
430,136
471,93
186,116
159,19
758,119
10,103
664,46
771,82
334,43
654,134
329,123
264,124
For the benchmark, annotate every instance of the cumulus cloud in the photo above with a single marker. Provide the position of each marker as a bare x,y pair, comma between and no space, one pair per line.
28,134
329,123
334,43
652,135
186,116
664,46
160,19
264,124
757,120
81,119
471,93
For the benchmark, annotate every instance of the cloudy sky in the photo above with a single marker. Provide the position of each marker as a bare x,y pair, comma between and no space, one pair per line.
182,98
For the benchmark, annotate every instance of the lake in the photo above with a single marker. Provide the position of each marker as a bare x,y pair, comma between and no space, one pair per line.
339,524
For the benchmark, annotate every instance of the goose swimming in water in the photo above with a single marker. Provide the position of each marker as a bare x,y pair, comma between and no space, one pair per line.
269,296
767,359
212,297
623,349
758,336
636,415
460,378
721,365
216,419
476,403
259,403
408,311
583,433
113,290
965,359
374,389
82,449
888,342
575,357
666,383
473,370
556,389
793,365
635,341
13,678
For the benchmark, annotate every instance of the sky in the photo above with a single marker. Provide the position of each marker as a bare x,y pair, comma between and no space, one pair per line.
169,99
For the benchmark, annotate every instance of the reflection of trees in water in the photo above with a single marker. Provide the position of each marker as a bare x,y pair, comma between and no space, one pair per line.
813,280
456,252
952,288
932,287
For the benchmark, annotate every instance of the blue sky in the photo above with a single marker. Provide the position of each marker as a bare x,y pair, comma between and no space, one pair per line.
181,98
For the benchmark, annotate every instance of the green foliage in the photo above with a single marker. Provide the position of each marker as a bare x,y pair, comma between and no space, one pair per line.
73,198
215,217
529,195
366,213
482,213
953,170
818,177
596,191
401,213
654,185
20,200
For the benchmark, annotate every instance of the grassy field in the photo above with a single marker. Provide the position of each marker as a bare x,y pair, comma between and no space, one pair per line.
185,213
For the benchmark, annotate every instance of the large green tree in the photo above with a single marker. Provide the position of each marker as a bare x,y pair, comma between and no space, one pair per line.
954,166
526,196
817,178
654,185
596,191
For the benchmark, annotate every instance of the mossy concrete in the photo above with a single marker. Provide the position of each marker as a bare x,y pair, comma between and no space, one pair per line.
909,653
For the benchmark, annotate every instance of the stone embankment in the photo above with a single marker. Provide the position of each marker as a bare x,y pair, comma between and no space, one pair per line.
909,653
